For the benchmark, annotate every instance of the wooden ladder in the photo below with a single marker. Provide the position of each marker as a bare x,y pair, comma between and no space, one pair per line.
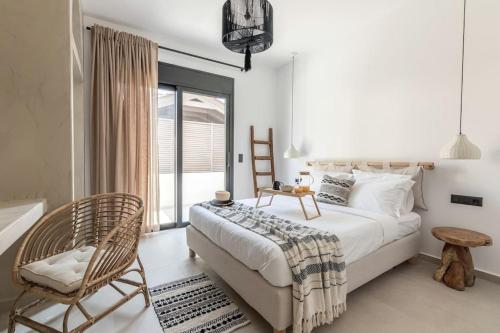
255,158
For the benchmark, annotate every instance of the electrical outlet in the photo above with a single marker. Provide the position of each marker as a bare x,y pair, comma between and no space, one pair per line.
467,200
240,158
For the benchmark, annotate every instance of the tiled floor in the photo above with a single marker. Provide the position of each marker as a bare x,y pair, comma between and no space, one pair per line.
405,299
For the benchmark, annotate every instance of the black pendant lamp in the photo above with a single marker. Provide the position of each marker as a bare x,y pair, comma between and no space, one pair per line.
247,27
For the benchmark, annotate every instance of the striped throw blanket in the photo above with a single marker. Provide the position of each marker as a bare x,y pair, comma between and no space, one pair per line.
315,258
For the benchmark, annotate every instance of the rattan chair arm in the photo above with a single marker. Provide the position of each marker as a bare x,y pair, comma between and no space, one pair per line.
115,253
32,248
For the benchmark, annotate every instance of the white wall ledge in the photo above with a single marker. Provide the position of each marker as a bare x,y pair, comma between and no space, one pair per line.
16,217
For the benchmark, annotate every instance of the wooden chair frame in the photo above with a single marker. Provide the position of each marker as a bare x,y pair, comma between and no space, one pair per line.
109,222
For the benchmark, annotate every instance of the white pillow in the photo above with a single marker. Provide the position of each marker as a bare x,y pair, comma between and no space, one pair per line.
416,173
381,193
409,203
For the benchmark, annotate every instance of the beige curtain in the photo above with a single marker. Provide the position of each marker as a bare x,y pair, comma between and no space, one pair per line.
124,118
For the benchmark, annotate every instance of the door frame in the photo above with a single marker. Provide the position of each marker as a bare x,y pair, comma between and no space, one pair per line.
184,79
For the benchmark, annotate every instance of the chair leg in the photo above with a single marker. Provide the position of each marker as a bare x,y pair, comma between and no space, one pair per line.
145,290
12,325
12,315
66,317
17,317
12,322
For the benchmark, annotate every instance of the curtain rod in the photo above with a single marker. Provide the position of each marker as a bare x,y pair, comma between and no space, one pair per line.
195,56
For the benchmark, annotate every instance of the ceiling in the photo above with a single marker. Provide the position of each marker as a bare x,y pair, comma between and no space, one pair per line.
301,26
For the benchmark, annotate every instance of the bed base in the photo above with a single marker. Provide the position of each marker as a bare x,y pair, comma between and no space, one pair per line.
275,303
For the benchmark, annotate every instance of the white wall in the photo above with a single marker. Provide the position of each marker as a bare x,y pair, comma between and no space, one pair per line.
35,123
391,91
35,111
254,95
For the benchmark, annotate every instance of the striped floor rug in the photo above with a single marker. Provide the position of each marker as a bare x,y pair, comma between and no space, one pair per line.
193,305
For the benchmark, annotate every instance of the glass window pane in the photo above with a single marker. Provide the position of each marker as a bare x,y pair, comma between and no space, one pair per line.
204,148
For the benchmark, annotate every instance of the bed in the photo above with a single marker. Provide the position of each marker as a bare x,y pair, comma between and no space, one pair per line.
256,268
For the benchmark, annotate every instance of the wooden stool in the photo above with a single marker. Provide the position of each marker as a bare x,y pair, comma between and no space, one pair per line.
456,269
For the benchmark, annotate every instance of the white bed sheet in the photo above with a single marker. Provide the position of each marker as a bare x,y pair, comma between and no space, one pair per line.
360,233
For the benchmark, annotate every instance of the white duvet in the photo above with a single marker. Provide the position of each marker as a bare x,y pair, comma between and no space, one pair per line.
360,232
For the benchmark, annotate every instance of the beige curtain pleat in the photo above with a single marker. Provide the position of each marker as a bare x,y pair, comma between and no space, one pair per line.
124,118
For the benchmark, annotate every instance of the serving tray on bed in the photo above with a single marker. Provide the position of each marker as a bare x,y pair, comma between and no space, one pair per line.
298,195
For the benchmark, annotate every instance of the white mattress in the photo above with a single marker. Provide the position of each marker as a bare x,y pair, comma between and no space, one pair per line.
360,233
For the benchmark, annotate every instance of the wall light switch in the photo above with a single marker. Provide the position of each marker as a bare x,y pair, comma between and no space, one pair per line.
240,158
467,200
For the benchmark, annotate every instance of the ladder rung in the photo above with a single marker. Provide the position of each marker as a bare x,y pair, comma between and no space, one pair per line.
261,142
262,158
264,173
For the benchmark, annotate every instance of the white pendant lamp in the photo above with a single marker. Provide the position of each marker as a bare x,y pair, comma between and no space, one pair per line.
460,148
292,152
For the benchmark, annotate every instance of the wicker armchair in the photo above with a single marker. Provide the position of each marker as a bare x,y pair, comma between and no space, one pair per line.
107,225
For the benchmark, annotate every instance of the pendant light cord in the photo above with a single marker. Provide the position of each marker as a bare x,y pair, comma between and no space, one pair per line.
462,78
293,76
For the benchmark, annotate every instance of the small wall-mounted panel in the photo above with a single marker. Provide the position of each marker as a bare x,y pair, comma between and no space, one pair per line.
467,200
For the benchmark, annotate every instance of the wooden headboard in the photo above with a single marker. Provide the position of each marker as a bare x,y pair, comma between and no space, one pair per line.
375,164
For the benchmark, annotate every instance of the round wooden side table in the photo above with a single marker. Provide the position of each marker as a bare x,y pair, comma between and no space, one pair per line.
457,269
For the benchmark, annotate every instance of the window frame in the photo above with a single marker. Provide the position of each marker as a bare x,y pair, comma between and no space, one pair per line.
183,79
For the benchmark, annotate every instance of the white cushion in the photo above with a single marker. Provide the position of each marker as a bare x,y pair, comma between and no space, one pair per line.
381,193
409,203
335,191
417,175
62,272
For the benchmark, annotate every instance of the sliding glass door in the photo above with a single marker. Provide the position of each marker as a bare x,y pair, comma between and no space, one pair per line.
195,146
203,148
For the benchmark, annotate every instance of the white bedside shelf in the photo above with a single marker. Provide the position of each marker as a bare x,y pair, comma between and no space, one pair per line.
16,217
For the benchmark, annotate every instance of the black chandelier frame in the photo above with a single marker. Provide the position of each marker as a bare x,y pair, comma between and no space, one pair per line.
247,27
